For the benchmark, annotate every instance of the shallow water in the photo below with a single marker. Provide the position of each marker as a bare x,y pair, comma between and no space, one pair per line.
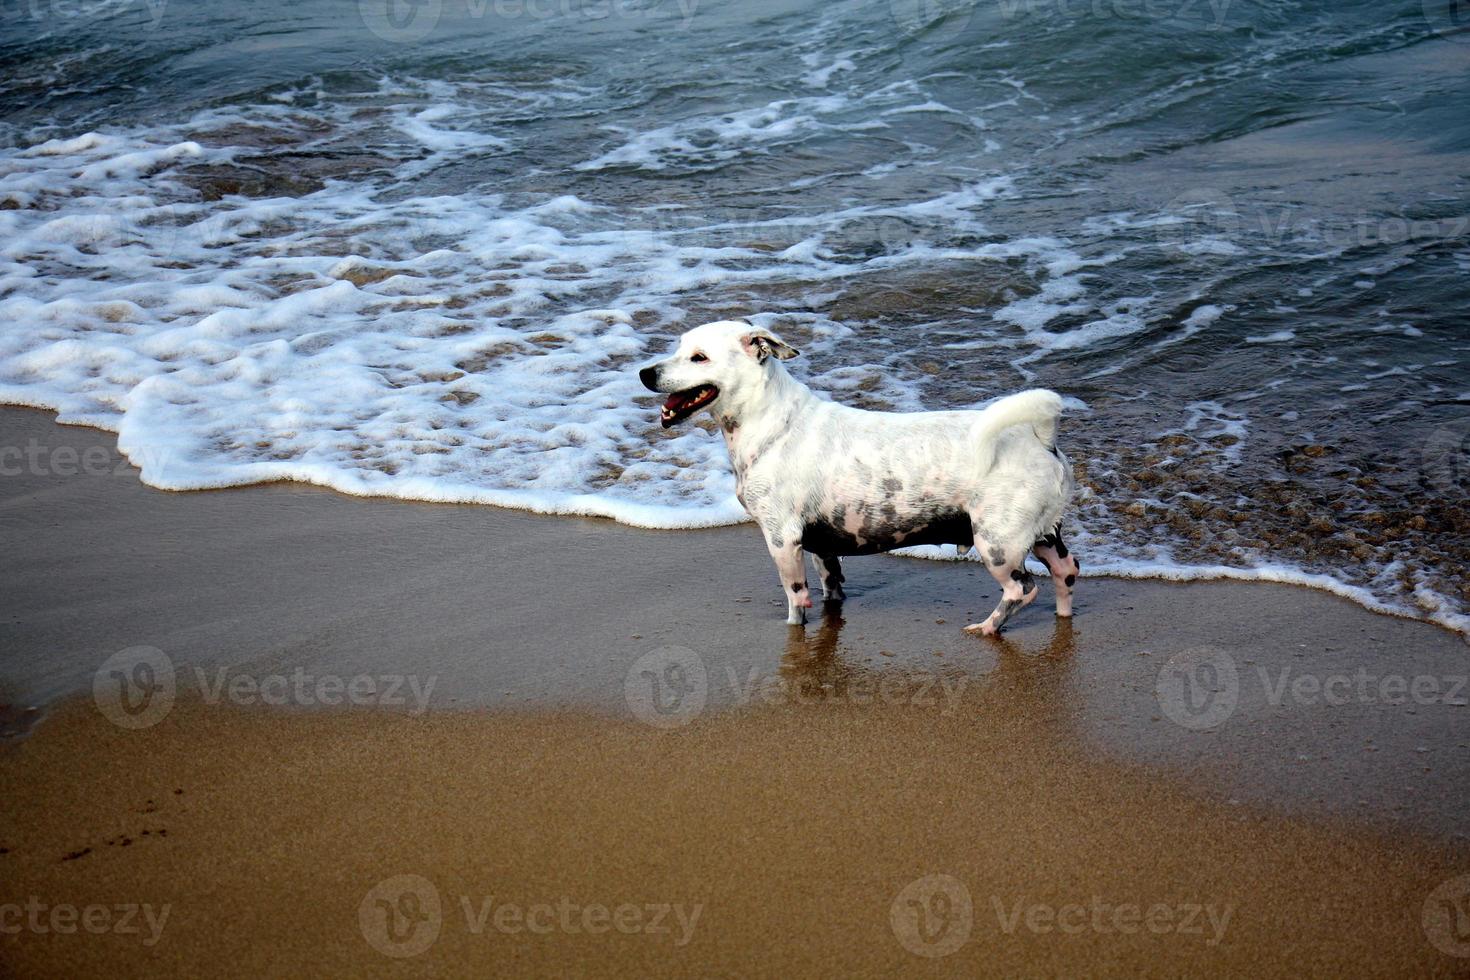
414,250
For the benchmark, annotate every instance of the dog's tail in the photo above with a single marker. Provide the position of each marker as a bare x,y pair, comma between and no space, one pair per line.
1037,407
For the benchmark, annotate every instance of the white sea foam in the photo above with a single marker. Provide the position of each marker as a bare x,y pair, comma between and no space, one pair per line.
452,348
1430,606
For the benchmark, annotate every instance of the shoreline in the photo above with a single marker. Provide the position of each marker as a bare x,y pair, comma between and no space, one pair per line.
1455,623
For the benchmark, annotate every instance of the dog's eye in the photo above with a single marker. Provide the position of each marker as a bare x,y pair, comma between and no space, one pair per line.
698,358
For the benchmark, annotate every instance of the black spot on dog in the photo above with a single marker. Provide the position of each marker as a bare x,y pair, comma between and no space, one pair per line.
997,556
1056,537
1071,580
892,485
830,537
797,586
729,424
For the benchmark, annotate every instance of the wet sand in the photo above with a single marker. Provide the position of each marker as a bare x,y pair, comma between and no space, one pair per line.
618,732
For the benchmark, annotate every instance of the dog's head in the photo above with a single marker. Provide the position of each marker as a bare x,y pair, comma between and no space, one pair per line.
711,364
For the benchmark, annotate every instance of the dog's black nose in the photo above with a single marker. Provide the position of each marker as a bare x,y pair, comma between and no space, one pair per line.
649,377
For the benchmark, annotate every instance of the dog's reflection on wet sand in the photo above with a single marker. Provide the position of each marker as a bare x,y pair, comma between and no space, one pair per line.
817,666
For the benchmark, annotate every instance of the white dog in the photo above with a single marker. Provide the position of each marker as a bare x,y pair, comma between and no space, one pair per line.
835,480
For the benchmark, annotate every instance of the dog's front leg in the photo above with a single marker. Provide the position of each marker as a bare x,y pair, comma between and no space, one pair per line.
785,547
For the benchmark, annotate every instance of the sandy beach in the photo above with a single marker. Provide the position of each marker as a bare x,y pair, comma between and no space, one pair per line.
386,738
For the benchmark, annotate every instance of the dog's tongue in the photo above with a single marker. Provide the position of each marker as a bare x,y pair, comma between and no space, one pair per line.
675,401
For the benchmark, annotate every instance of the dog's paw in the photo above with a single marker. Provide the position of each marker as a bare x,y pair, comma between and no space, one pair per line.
981,629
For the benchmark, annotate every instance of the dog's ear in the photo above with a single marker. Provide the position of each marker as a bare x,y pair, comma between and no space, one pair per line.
761,344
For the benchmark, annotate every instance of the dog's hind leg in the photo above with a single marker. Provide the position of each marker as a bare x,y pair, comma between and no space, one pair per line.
1063,565
829,573
787,554
1017,586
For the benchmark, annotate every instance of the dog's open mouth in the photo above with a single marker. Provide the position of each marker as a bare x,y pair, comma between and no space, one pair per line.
682,404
